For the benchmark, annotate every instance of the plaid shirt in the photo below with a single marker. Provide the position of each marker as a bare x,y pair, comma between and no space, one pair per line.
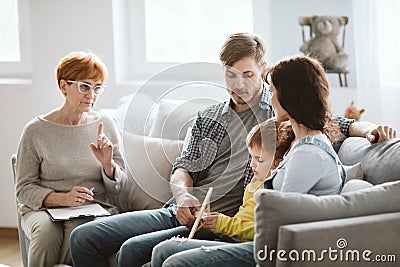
207,133
344,124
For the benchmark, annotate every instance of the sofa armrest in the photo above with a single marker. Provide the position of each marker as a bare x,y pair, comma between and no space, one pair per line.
379,161
345,238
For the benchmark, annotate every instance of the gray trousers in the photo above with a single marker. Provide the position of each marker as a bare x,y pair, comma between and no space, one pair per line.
48,240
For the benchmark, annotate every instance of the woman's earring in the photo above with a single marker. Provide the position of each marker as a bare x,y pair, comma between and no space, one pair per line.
65,94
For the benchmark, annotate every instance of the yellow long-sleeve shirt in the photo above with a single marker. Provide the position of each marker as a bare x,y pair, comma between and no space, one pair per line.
242,224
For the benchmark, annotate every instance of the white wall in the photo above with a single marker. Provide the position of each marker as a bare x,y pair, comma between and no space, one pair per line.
60,26
285,37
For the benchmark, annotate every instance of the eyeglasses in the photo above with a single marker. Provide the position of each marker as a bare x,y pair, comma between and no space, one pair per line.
84,88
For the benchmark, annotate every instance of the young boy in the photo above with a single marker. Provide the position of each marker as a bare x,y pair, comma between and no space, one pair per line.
267,142
266,149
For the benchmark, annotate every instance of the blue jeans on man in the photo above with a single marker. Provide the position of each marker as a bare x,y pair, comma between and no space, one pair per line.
90,244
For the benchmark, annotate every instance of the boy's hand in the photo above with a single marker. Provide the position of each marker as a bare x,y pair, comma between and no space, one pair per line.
210,221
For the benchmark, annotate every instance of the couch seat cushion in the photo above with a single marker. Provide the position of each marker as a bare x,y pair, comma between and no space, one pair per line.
275,209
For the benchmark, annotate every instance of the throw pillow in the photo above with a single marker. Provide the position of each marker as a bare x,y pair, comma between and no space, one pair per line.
354,172
275,209
174,117
379,160
149,163
354,185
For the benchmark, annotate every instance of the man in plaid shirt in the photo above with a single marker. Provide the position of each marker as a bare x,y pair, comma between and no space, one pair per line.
215,156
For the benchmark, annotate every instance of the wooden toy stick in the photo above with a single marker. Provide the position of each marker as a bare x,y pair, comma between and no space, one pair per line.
200,214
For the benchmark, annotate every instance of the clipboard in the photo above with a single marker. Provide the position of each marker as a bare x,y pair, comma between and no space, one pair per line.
199,215
84,211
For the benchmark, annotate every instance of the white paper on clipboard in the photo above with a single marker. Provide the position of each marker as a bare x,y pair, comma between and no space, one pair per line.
64,214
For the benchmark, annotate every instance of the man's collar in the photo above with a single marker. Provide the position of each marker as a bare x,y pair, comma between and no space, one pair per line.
265,101
227,106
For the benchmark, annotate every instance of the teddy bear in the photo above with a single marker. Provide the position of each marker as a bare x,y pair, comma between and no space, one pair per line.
323,42
353,112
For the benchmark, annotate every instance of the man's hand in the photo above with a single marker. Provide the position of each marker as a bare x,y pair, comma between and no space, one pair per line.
381,133
184,210
210,221
374,133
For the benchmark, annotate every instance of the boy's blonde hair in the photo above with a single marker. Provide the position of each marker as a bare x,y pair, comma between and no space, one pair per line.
263,136
271,136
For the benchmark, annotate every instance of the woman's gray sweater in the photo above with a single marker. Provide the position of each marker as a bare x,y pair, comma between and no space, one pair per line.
54,157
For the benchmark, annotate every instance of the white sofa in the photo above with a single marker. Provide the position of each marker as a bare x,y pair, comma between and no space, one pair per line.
153,136
369,218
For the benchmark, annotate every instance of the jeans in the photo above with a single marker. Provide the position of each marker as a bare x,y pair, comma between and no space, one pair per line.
184,253
133,235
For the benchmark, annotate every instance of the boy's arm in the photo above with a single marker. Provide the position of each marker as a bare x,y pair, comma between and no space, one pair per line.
241,225
236,226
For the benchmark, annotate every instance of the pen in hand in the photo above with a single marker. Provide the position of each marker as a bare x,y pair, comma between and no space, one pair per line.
91,190
90,194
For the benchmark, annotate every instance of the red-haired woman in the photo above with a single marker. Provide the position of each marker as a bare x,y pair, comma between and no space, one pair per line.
63,155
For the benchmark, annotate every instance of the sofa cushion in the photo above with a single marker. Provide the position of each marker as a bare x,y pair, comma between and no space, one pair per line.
379,161
149,163
174,117
133,113
275,209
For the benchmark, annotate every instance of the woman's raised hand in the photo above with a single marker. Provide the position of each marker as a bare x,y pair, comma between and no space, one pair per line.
103,151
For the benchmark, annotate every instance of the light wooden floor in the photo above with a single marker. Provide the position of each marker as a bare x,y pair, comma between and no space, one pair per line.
9,248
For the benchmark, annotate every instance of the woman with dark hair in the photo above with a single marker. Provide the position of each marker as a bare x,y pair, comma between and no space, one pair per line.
300,93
